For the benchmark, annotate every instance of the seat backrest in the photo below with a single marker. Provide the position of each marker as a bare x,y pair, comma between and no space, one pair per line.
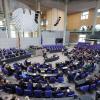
38,93
93,86
19,90
60,79
84,88
48,93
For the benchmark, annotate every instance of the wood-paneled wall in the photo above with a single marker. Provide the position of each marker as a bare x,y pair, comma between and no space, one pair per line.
52,17
75,22
73,38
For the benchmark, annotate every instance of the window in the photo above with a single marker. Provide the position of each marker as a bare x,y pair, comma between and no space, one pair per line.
44,22
35,34
26,34
83,28
1,24
13,32
98,13
97,27
84,15
98,10
82,38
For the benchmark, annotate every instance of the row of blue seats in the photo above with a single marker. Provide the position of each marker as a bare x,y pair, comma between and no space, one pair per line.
13,54
40,79
40,93
36,68
87,45
91,87
54,48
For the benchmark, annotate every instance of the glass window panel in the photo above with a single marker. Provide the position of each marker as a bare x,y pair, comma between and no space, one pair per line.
13,34
26,34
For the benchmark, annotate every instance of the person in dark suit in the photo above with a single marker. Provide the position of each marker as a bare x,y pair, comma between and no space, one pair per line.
58,90
10,86
8,67
22,84
44,54
27,63
48,87
38,86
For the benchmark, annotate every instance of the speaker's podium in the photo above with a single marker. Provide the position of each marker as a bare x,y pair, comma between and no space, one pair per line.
36,50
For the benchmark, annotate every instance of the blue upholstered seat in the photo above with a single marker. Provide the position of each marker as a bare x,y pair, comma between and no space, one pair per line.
84,88
48,93
38,93
19,91
28,92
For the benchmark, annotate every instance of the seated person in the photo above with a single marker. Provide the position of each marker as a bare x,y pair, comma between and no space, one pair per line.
30,69
62,50
22,84
42,80
27,63
44,54
11,55
38,69
78,76
55,70
17,54
38,86
35,70
49,70
9,85
24,74
87,65
90,79
30,85
58,90
72,66
9,68
19,72
22,66
7,56
60,74
48,87
71,76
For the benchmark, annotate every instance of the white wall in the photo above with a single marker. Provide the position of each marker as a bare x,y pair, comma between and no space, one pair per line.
3,33
7,43
49,37
25,42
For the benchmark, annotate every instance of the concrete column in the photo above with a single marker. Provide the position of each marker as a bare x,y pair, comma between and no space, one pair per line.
18,44
95,15
39,21
7,17
1,5
65,23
